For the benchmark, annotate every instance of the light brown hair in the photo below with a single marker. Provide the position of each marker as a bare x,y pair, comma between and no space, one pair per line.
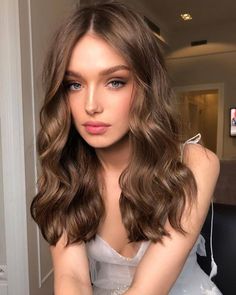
155,183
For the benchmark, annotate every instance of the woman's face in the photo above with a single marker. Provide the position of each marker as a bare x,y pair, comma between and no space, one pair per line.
100,88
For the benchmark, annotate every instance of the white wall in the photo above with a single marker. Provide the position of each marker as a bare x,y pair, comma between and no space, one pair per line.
2,223
3,261
12,151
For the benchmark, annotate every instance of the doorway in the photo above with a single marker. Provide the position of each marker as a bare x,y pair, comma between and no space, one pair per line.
199,114
201,111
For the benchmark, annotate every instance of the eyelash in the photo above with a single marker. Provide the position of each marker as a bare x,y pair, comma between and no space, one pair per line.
120,82
70,85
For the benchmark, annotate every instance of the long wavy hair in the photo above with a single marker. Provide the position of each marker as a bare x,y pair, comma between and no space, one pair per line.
156,185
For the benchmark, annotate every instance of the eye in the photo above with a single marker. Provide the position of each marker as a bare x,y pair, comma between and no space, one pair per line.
73,86
116,83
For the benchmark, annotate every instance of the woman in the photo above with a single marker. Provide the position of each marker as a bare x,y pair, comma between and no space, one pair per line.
120,197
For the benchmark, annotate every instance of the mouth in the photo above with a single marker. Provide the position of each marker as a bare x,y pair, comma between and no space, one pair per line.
96,127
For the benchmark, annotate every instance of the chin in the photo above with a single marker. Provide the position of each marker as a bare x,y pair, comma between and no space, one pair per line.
106,143
100,145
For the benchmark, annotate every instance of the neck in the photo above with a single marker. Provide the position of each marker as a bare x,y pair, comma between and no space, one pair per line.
114,159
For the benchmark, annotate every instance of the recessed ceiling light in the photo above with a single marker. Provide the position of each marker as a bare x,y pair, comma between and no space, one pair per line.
186,16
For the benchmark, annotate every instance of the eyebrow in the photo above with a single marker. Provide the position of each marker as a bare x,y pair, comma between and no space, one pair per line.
104,72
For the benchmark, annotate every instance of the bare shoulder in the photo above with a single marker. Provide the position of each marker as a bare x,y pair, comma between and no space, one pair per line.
205,167
201,159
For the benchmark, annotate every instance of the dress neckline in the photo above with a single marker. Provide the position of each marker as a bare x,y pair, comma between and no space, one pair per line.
118,254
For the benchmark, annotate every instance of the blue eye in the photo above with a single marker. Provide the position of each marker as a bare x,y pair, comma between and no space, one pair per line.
116,84
75,86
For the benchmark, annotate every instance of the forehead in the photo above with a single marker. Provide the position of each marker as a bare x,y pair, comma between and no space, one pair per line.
91,51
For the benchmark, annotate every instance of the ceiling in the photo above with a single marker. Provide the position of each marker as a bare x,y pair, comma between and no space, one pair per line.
212,20
204,13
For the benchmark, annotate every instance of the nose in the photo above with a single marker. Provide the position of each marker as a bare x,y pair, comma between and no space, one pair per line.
92,103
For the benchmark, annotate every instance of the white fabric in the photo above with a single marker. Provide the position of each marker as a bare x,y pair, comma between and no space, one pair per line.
112,273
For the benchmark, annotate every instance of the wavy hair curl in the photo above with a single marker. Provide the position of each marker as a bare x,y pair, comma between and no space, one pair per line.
156,184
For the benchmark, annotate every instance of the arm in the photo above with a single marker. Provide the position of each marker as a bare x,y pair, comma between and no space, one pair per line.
71,269
157,278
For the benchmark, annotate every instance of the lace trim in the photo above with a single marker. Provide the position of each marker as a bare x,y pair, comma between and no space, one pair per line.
120,290
212,291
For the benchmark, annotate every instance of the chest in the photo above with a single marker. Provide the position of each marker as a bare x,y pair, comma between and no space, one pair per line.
111,228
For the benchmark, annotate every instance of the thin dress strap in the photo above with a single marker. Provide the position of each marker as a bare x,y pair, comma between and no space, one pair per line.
194,140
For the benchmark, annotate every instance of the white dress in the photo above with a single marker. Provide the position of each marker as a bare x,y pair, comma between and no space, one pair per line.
112,273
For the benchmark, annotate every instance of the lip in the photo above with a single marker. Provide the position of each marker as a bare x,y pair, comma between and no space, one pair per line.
96,127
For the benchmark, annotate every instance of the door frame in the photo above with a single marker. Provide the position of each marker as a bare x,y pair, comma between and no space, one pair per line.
220,115
13,160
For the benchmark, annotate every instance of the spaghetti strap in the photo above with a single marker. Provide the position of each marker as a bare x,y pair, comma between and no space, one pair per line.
194,140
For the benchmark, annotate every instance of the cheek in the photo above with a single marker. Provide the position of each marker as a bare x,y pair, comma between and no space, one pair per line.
123,109
75,109
123,105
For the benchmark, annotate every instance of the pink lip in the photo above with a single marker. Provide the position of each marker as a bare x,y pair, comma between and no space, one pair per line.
96,127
